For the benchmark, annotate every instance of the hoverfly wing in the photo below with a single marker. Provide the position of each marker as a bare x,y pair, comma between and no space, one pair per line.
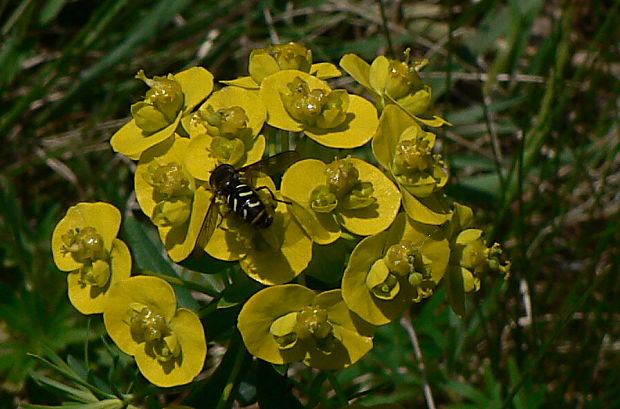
208,225
269,166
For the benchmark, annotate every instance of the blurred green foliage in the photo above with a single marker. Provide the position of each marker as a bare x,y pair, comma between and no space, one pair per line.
531,89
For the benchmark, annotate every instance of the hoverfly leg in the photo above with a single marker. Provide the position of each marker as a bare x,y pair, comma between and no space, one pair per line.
272,195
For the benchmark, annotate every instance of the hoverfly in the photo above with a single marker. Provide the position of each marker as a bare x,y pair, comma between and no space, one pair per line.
235,188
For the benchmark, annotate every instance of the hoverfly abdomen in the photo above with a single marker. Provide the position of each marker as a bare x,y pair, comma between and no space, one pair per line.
234,186
246,203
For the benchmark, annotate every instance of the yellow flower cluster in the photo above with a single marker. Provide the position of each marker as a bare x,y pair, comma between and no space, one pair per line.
203,179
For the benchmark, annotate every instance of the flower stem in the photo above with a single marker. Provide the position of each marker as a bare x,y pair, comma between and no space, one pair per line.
406,322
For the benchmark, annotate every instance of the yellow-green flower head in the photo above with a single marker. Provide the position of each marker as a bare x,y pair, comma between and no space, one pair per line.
142,318
394,82
297,101
272,255
291,56
162,103
84,244
225,129
389,270
266,61
470,256
288,323
349,193
171,197
405,150
156,118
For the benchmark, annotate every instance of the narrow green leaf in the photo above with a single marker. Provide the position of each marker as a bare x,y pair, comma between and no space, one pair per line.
50,11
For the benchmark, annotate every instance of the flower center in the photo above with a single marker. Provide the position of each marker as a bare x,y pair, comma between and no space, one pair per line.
316,108
406,260
229,122
168,180
85,244
151,328
161,105
312,323
342,188
291,56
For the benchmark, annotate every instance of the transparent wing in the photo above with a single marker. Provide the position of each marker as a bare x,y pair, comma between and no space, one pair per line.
269,166
208,225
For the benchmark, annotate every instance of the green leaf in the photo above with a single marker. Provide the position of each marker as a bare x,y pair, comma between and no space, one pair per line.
50,11
81,395
148,253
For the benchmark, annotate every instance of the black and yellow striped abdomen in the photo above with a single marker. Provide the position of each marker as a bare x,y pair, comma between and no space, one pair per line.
245,202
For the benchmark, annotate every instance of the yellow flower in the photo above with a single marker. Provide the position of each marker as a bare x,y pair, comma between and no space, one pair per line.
142,318
157,117
389,270
225,129
405,150
470,255
272,255
84,244
394,82
297,101
348,192
291,56
288,323
171,197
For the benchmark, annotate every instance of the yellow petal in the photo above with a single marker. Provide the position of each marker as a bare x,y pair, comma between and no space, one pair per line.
173,150
297,183
261,66
429,210
153,292
357,68
261,310
187,327
435,246
200,162
356,334
104,217
181,240
243,82
276,84
325,70
378,74
89,299
198,159
131,142
277,266
378,216
358,128
354,290
196,83
234,96
392,123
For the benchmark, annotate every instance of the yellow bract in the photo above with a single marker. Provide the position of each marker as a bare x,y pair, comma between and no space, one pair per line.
288,323
330,117
272,255
361,208
142,318
291,56
131,140
389,270
394,82
84,244
405,150
225,129
171,197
